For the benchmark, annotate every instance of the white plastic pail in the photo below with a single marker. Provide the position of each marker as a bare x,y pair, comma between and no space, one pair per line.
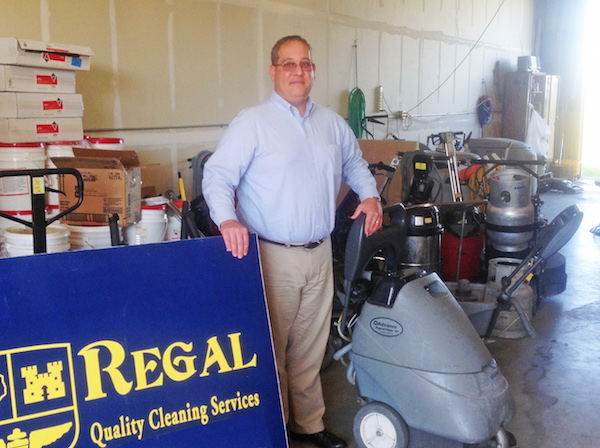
15,194
5,223
106,143
174,226
151,228
173,229
18,241
89,237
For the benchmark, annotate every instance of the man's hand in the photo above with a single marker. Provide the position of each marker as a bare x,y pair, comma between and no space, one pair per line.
372,208
236,238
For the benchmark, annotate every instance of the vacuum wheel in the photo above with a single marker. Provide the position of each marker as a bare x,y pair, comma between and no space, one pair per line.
505,439
502,439
377,425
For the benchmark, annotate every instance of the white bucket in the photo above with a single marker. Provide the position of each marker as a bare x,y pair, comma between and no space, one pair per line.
173,229
174,226
151,228
18,241
106,143
15,190
89,237
5,223
56,149
157,200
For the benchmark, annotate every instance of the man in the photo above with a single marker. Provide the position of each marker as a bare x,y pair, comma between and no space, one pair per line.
282,162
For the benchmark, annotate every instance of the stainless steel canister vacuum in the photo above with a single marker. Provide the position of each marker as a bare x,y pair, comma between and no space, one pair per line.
510,214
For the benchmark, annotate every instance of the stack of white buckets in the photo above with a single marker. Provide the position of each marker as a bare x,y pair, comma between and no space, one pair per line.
14,191
15,200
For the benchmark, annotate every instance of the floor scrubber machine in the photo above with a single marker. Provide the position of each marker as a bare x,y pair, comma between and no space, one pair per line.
418,363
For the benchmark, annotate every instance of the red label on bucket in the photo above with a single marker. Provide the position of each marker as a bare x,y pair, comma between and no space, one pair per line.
53,105
47,79
54,57
57,50
47,128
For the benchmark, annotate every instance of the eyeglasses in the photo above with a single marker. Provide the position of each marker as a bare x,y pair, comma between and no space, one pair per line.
290,66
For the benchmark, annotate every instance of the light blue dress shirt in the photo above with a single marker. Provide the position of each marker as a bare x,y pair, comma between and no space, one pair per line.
279,173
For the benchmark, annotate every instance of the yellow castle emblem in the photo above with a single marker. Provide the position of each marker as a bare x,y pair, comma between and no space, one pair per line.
38,384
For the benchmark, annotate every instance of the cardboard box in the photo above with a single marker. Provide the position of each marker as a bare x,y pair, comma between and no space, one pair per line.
375,151
33,53
35,105
33,79
567,169
52,129
112,183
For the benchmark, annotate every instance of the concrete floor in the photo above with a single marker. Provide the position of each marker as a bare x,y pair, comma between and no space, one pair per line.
555,378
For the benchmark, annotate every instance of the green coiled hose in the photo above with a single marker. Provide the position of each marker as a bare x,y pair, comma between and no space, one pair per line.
356,112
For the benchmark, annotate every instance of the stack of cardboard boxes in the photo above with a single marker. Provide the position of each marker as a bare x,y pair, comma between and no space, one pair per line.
38,102
39,106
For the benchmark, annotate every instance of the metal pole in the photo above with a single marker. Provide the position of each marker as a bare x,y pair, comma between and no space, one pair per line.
460,244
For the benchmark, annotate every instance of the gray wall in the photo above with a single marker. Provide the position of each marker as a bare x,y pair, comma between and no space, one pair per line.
169,75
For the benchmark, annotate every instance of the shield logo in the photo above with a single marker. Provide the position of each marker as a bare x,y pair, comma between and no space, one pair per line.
38,403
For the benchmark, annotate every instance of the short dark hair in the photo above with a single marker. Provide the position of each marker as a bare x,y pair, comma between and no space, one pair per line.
285,40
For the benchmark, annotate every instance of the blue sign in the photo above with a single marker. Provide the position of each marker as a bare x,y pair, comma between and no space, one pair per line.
160,345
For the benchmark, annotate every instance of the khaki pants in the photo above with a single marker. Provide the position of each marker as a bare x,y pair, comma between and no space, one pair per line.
299,290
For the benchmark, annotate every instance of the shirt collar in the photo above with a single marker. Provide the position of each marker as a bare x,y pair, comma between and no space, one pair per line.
277,99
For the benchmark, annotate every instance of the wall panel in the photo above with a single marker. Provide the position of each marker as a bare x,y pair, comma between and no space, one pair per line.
169,75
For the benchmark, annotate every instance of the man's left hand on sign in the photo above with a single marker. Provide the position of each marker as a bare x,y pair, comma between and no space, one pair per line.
374,219
236,238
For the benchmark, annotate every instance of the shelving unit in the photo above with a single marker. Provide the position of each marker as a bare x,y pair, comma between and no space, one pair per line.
523,88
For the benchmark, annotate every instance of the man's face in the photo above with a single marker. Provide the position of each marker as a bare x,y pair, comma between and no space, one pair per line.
293,86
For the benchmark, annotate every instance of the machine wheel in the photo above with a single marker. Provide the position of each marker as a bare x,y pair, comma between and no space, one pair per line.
502,439
512,440
377,425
